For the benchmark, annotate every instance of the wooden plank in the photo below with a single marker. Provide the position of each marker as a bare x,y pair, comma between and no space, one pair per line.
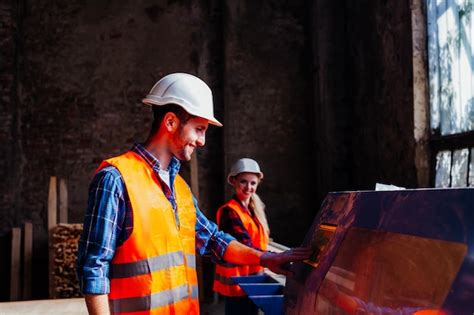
15,265
52,203
5,247
52,222
27,259
63,201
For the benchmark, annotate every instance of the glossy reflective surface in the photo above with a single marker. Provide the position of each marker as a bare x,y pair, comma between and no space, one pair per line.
385,271
395,252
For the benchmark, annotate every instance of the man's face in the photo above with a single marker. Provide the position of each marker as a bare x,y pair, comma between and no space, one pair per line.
188,137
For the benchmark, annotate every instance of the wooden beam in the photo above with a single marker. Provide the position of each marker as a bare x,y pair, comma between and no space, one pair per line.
27,259
52,222
63,201
52,203
15,265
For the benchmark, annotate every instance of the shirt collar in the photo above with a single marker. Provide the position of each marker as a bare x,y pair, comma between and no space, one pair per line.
173,167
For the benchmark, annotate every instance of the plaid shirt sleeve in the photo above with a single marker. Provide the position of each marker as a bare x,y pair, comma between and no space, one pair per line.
230,223
105,224
209,240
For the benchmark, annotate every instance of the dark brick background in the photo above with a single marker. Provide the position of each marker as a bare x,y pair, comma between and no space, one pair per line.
319,92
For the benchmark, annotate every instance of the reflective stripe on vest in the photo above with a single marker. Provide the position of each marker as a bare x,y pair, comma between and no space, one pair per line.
154,270
163,298
223,283
149,265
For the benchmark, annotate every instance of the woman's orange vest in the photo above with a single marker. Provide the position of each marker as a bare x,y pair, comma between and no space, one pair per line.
154,270
223,283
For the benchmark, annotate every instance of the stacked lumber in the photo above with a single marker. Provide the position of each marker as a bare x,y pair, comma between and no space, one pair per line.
65,243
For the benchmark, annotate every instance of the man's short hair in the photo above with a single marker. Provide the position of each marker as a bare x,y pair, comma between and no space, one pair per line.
159,112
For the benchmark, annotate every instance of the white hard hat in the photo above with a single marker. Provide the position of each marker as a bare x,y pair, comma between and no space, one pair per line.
187,91
244,165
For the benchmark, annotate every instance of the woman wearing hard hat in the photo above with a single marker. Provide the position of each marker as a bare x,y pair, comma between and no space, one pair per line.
243,217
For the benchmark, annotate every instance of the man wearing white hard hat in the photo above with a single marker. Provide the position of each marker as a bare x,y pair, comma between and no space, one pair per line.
143,227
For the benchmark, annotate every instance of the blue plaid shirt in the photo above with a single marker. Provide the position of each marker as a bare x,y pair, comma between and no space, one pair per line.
109,222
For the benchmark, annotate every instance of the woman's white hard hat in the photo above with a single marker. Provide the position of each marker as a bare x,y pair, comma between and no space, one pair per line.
187,91
244,165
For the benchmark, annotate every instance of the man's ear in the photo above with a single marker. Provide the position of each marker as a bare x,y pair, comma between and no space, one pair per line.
171,122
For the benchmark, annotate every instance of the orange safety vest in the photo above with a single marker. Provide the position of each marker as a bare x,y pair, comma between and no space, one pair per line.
154,270
223,283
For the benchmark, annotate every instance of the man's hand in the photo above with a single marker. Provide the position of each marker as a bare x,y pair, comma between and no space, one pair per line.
276,261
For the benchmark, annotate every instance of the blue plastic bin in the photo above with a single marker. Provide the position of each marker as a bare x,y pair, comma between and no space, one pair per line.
264,291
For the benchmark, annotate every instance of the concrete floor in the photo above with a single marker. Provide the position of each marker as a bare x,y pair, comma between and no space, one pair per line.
44,307
216,308
76,307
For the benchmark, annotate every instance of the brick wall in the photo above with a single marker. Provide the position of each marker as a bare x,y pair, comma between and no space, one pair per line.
320,93
268,100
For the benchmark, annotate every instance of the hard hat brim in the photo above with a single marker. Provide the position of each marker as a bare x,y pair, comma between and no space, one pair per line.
260,176
172,100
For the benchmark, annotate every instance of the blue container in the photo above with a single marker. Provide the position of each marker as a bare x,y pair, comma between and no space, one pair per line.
264,291
262,288
261,278
269,304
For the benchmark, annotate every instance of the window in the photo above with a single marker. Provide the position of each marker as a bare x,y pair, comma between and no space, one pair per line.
451,84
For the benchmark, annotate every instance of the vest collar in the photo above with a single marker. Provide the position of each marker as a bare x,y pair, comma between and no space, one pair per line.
250,211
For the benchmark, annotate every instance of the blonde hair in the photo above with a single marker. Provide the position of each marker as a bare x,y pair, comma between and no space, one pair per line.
258,207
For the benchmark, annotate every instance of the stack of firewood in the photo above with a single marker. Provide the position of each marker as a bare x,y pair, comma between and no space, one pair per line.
65,242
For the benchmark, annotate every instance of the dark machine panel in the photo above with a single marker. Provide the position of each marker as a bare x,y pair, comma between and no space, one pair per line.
390,252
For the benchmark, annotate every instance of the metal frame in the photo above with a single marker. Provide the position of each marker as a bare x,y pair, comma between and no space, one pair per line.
449,142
